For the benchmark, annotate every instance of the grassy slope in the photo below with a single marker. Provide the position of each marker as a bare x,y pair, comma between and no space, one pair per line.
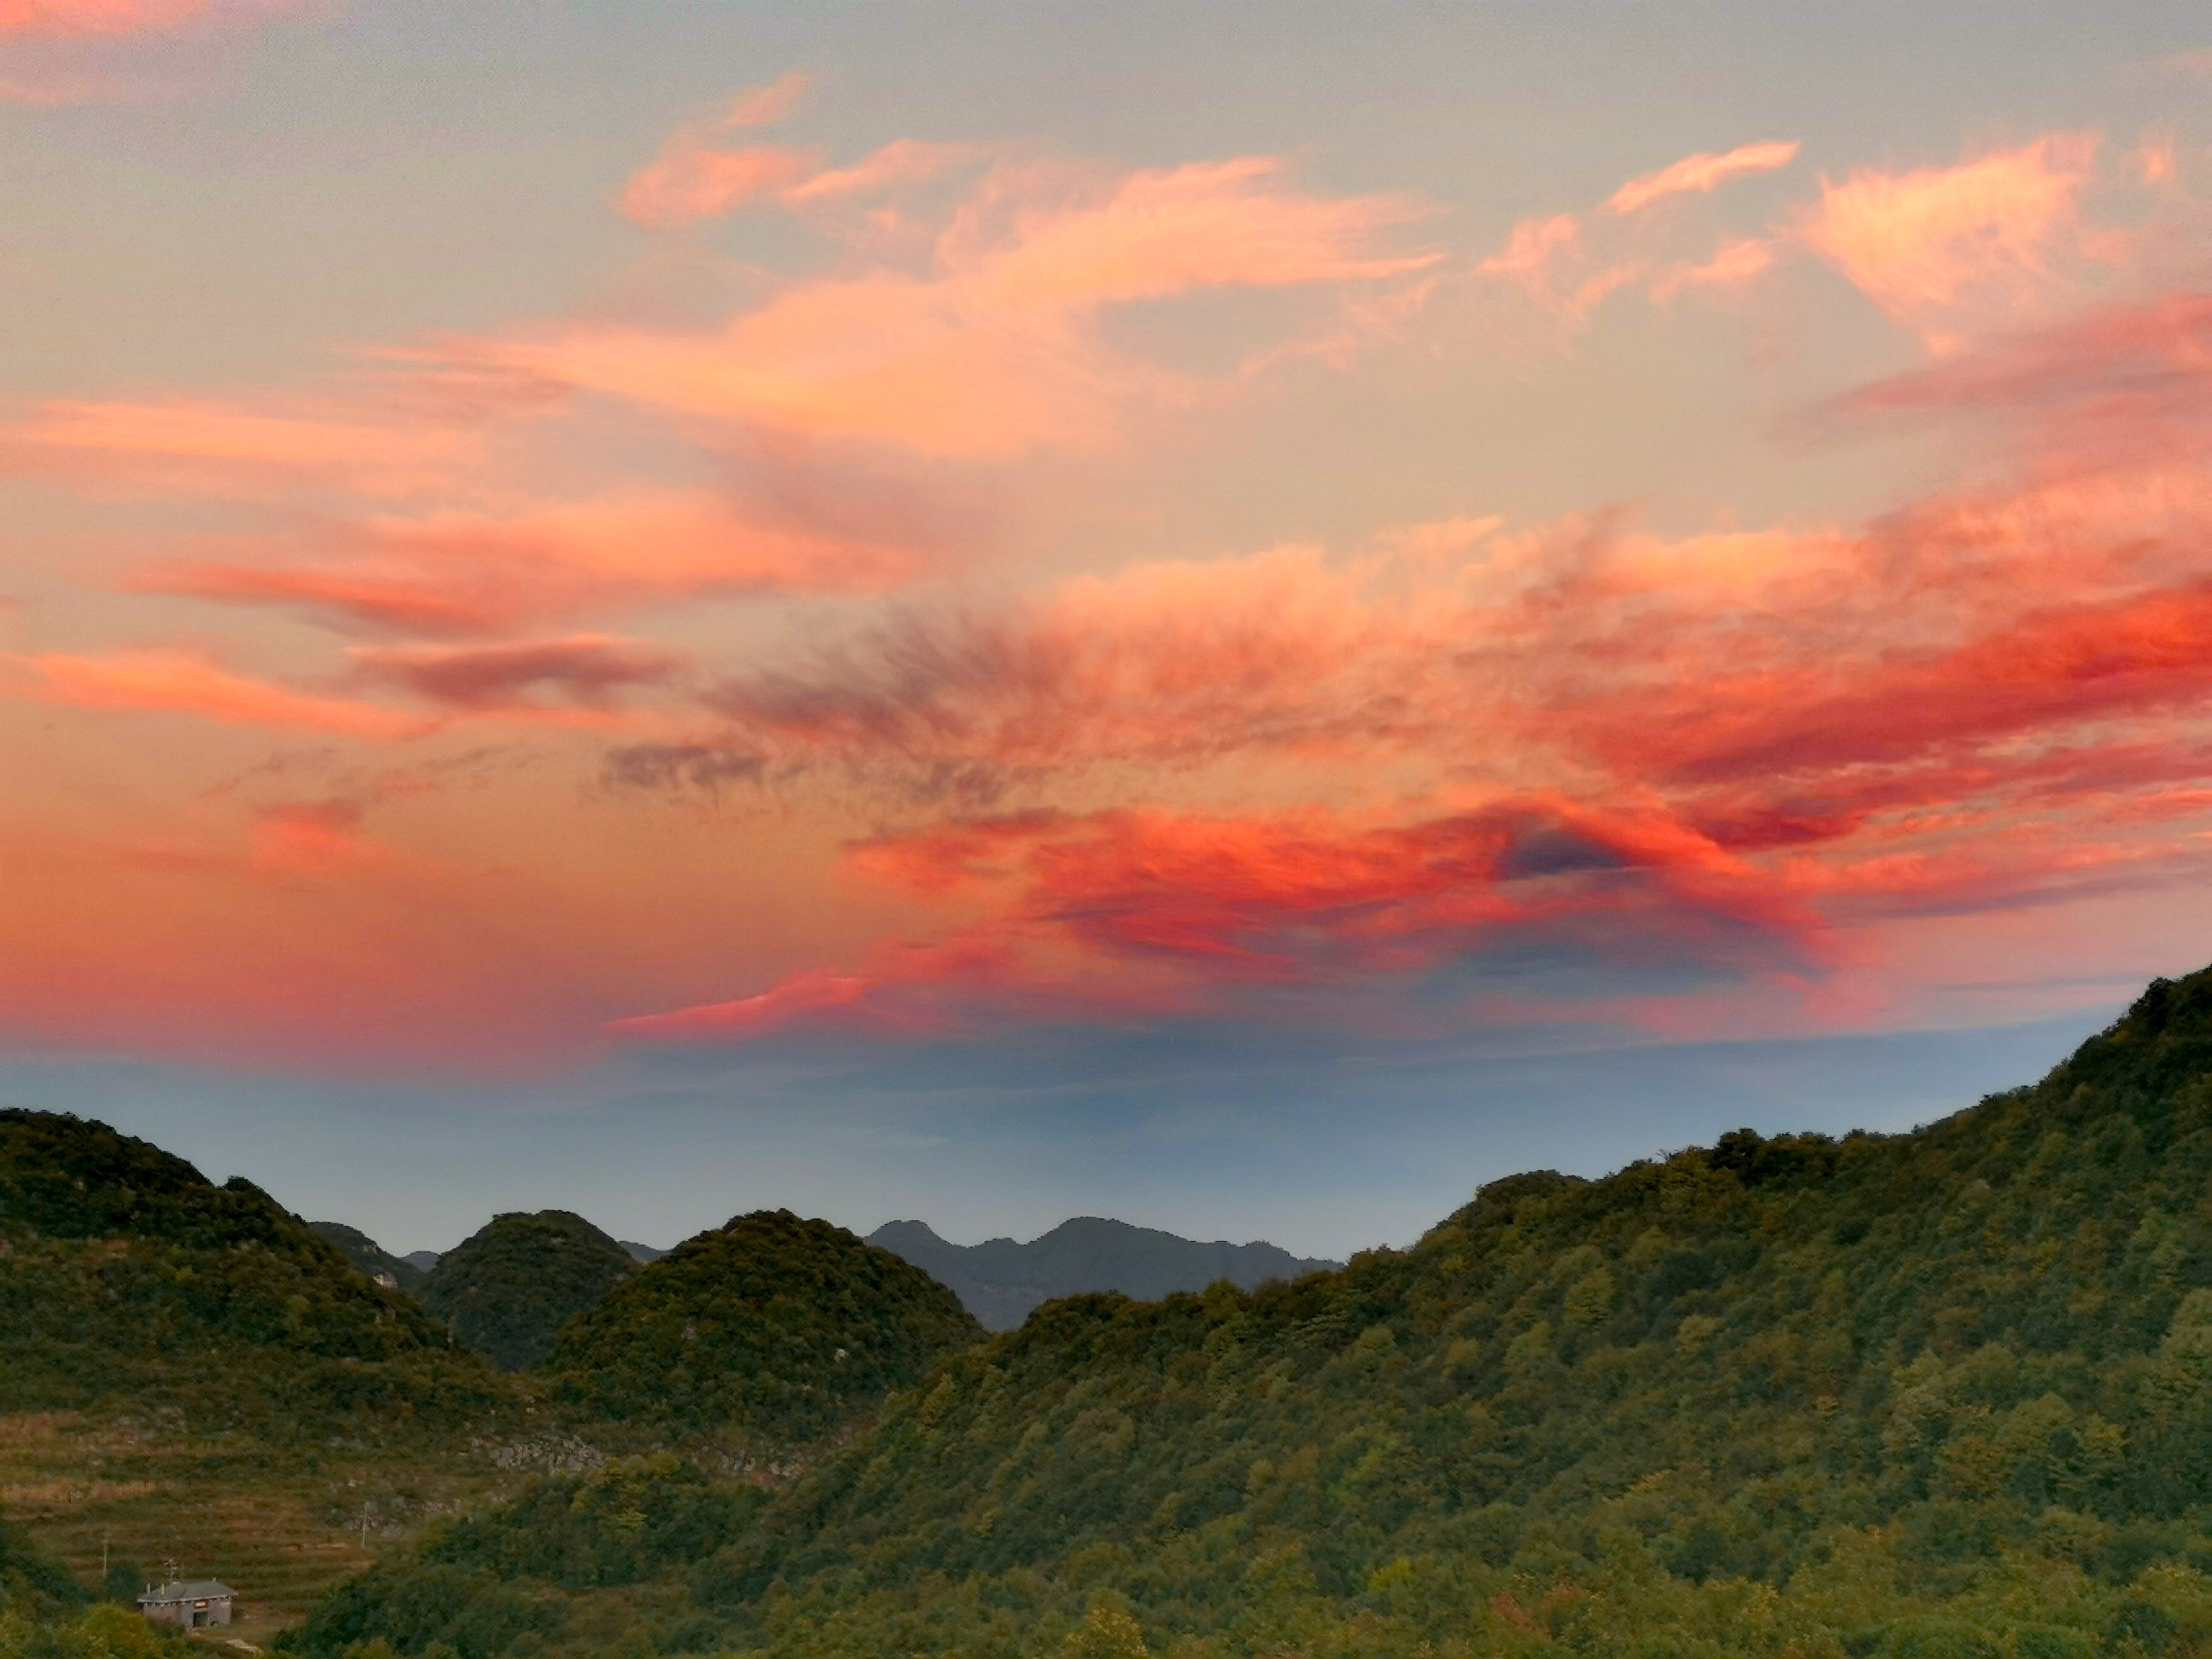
1948,1393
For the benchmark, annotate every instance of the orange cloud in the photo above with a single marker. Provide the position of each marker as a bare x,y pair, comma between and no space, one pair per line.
62,17
703,183
993,353
1733,264
228,449
692,177
1941,249
460,572
1569,263
902,161
178,682
1700,174
765,105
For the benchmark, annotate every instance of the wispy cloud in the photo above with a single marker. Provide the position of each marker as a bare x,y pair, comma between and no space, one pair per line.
1700,174
1944,250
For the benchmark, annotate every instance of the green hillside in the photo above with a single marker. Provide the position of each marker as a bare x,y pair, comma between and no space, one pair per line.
507,1289
126,1276
1943,1395
771,1328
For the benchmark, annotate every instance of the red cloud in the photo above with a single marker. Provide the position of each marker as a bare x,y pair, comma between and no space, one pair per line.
1123,914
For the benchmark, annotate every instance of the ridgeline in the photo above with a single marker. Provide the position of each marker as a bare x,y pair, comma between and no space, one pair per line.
1000,1281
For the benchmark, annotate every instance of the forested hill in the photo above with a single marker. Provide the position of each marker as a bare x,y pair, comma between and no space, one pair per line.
508,1288
1000,1281
1942,1393
126,1276
773,1329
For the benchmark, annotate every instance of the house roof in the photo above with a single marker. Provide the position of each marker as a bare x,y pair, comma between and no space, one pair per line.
187,1589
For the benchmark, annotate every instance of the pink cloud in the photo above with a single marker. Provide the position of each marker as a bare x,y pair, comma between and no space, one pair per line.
1733,264
902,161
1942,248
694,177
1700,174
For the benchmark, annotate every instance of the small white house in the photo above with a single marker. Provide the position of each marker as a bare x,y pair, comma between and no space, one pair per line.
192,1603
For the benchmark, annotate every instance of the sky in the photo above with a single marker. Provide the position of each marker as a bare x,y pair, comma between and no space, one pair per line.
1240,618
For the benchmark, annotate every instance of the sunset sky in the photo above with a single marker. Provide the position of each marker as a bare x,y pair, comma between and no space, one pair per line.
1238,617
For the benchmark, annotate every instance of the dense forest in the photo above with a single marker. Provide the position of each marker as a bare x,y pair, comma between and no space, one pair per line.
1942,1393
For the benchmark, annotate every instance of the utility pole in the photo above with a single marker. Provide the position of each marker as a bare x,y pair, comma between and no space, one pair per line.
103,1557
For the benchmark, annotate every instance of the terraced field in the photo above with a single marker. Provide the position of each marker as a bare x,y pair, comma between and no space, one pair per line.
279,1526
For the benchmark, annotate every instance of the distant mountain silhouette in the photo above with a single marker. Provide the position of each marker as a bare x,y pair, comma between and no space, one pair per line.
421,1260
999,1281
640,1252
395,1273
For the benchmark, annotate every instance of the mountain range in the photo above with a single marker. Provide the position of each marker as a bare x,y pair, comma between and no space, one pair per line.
1945,1394
1001,1282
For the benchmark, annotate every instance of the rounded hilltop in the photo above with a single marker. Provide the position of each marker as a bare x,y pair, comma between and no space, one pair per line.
508,1288
773,1326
